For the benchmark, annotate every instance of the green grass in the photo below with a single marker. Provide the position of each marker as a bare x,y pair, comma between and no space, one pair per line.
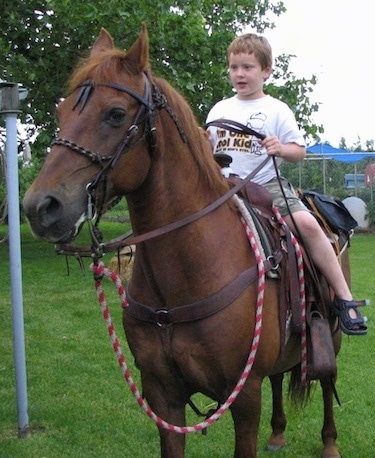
79,404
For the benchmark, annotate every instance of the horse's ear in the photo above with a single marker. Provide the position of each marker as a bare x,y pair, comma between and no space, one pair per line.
137,56
104,42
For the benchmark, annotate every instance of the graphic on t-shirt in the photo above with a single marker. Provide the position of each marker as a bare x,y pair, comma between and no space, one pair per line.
257,122
232,141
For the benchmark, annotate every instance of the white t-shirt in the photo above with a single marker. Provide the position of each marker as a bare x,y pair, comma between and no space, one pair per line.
266,115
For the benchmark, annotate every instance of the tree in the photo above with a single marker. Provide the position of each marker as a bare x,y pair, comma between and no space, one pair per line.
188,39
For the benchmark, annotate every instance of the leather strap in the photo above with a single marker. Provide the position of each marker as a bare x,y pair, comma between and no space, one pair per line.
201,309
123,241
235,126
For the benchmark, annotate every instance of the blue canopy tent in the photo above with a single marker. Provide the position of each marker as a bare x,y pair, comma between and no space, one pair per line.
338,154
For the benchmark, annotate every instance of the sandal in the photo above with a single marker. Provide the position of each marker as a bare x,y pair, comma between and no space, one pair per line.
352,326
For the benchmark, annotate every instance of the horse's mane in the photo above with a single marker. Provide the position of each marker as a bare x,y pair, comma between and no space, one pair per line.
198,141
106,66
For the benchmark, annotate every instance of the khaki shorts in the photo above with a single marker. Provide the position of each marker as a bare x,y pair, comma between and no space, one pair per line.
294,203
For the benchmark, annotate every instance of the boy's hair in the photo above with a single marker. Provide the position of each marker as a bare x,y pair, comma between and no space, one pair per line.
251,43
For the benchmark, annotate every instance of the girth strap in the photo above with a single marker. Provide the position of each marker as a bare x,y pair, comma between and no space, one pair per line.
203,308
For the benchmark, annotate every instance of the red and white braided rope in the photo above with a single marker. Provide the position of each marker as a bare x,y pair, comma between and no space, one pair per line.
100,271
301,281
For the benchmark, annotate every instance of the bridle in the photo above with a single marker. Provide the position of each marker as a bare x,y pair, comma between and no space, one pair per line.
151,103
145,116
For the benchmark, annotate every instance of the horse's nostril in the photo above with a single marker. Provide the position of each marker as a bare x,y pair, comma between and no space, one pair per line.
49,211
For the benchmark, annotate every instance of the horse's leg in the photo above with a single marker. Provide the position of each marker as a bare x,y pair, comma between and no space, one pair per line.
329,432
246,416
172,445
278,420
169,405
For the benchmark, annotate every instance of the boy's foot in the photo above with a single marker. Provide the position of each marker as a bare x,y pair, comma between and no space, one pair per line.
350,325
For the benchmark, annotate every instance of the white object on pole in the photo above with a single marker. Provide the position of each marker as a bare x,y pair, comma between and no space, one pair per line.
358,209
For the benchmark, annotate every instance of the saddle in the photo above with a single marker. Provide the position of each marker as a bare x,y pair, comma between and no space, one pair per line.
275,237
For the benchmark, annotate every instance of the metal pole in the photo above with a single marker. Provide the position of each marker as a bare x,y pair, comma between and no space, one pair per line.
9,108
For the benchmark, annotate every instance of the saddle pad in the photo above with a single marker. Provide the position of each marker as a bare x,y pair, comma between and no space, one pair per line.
262,235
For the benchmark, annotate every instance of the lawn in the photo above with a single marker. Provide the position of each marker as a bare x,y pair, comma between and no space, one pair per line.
79,404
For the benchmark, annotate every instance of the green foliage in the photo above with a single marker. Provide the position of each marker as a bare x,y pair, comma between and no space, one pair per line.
371,212
27,174
42,42
295,92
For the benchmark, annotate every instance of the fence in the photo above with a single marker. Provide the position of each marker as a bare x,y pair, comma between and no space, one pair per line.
334,178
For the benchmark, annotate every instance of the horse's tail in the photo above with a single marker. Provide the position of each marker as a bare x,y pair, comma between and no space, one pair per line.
298,394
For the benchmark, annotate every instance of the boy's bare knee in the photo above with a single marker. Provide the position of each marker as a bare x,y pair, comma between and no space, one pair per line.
306,223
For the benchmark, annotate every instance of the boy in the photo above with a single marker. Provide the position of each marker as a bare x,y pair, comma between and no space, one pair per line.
250,65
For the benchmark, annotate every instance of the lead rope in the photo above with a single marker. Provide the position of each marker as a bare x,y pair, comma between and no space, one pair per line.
100,271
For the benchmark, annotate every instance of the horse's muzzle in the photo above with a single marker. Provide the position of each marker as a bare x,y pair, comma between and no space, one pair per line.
49,219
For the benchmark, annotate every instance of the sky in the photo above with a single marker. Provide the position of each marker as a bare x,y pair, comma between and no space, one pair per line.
335,40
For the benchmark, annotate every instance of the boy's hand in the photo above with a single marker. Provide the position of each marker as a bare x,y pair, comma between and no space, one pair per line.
273,146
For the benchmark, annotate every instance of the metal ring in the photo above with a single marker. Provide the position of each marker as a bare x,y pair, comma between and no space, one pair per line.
162,317
271,260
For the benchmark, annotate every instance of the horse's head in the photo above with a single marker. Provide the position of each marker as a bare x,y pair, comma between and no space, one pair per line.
121,132
105,121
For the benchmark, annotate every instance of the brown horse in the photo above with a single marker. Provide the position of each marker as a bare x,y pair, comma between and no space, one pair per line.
124,132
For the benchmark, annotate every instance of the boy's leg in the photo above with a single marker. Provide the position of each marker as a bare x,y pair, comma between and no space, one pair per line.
322,254
326,261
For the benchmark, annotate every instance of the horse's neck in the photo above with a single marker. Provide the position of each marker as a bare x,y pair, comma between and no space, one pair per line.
183,256
173,190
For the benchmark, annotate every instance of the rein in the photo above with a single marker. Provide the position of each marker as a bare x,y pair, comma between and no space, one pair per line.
235,126
122,241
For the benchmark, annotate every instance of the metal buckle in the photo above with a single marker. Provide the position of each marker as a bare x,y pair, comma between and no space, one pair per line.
162,319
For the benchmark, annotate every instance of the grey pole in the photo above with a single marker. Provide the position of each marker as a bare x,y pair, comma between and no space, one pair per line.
9,102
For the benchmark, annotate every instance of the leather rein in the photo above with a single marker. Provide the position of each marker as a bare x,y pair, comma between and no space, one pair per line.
152,102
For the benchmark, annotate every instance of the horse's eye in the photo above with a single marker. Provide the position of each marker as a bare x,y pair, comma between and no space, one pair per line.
116,117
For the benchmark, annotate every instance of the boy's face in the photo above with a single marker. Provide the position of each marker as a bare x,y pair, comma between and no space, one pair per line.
247,76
